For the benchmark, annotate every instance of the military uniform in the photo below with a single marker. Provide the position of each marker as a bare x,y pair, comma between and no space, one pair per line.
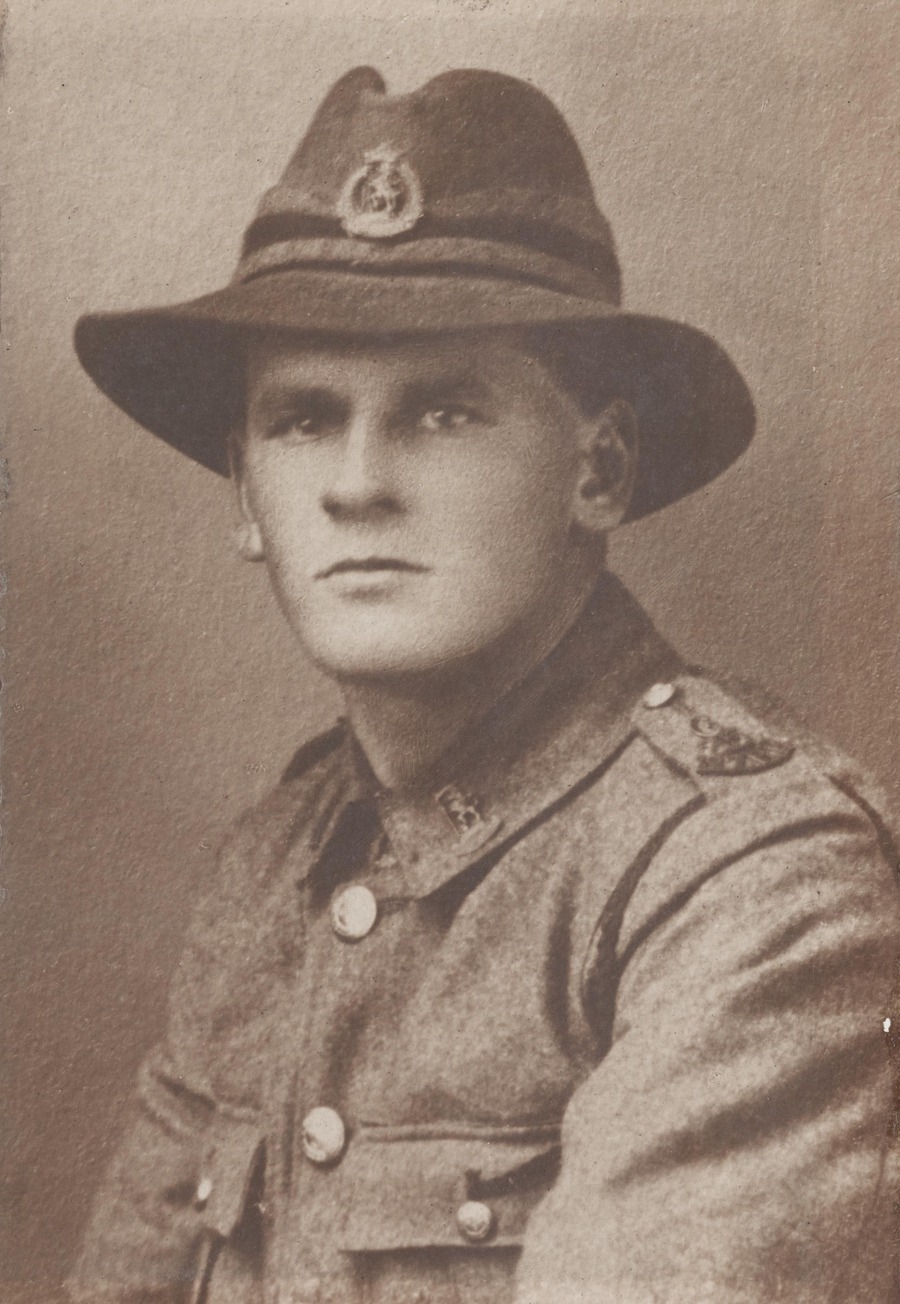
596,1015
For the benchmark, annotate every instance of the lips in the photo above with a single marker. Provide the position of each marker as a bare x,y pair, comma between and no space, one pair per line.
357,565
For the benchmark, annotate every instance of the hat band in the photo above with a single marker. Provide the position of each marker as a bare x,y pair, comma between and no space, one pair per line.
433,257
564,230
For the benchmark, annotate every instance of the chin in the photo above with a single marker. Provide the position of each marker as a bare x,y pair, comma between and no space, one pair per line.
381,661
363,652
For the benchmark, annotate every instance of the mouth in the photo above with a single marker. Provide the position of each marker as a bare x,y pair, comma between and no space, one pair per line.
368,565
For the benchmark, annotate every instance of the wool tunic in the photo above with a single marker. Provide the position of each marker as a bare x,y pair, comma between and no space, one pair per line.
602,1019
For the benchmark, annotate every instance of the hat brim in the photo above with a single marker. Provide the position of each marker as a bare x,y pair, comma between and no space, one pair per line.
178,370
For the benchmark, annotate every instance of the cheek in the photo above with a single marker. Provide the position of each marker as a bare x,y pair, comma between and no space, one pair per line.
512,505
279,500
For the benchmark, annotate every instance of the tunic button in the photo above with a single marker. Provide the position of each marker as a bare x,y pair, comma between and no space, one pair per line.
659,695
324,1135
475,1220
353,912
203,1192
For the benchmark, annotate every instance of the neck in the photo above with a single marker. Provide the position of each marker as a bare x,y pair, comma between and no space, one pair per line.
404,724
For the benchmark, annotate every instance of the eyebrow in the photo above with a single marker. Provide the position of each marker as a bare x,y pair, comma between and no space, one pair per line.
292,397
449,384
417,391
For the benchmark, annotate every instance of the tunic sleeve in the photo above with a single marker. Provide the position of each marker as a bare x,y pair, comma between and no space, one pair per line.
143,1236
185,1187
732,1145
178,1183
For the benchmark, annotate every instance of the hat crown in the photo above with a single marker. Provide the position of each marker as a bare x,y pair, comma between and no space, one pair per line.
472,156
464,131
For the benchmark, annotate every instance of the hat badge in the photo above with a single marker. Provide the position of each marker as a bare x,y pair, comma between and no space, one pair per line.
382,198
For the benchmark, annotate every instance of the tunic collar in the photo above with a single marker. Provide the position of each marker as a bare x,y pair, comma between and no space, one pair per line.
552,733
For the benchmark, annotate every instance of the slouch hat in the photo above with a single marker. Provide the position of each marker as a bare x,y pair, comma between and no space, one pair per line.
465,204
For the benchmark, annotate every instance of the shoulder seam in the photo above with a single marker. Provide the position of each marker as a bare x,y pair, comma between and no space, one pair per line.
886,843
601,957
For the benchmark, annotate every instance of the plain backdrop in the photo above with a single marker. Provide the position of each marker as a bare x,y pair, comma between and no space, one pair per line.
745,154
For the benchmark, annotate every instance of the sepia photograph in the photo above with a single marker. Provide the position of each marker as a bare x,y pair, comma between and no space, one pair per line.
451,695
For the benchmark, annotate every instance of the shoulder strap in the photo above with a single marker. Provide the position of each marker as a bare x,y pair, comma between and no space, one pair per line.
705,730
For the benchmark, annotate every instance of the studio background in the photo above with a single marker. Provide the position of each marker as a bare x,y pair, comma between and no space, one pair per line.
745,156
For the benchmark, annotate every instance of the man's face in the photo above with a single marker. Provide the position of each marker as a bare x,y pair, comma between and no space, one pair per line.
414,498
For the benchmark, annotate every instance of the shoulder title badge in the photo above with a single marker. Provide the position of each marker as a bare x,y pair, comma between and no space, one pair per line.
382,198
726,750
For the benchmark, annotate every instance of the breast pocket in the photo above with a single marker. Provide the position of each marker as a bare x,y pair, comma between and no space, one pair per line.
229,1201
415,1187
438,1213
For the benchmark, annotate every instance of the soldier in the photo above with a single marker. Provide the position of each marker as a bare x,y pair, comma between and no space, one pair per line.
552,972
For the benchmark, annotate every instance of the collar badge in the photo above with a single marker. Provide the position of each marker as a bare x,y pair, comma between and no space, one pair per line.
466,817
383,198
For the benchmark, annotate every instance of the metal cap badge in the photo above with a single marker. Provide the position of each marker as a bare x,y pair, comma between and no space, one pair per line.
382,198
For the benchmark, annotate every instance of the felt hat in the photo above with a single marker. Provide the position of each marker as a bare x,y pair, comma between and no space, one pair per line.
465,204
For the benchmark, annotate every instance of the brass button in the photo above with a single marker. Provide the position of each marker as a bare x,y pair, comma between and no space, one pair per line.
354,912
203,1192
324,1135
659,695
475,1220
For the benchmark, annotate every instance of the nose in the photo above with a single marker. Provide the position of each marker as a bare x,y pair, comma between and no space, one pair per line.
363,479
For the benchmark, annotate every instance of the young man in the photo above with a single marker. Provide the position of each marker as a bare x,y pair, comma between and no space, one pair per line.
552,973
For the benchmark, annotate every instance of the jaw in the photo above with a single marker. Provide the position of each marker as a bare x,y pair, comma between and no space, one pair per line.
421,630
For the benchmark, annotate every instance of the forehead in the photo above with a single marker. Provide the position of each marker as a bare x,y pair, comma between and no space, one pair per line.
493,360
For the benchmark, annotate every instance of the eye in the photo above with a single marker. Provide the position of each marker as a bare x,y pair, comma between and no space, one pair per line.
448,416
310,419
285,427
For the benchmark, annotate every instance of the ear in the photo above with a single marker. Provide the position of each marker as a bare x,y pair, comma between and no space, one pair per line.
609,455
247,535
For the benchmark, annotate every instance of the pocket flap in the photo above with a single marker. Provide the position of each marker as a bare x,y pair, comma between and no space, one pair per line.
231,1160
405,1187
